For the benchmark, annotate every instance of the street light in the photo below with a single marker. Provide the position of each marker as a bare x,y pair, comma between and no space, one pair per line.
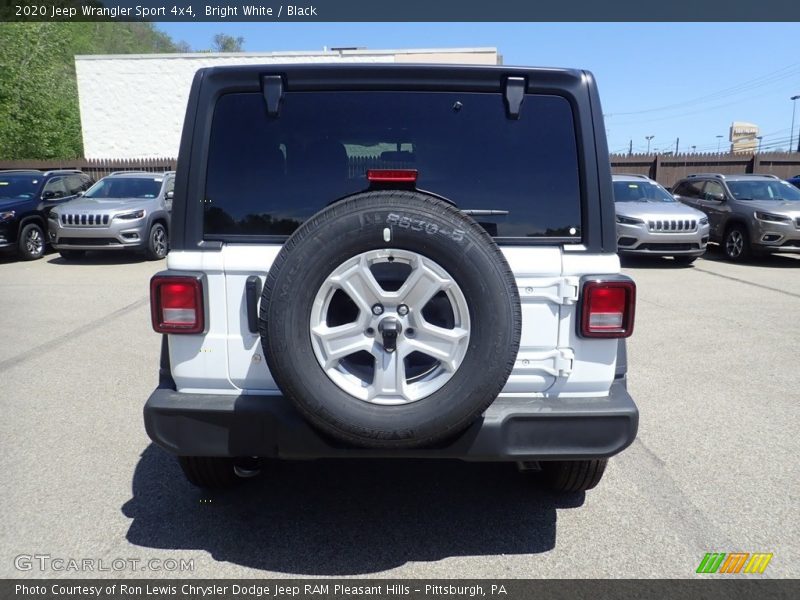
693,149
759,138
648,138
719,141
791,131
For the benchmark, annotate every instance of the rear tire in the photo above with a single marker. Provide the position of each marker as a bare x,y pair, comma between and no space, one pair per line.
574,475
212,472
736,243
365,391
31,242
72,254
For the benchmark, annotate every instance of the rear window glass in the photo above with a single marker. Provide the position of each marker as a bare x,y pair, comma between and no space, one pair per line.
266,175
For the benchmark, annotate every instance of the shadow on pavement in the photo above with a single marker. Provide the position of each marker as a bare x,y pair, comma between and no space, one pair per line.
631,261
345,517
115,257
785,260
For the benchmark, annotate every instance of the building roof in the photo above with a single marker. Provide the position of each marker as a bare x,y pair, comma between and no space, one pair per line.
326,52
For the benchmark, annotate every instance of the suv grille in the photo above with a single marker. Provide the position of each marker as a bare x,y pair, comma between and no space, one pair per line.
670,226
85,220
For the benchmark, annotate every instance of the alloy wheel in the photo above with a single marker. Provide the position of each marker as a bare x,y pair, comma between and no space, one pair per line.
390,326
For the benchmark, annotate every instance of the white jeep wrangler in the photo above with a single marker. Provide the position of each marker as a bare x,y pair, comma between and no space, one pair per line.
393,261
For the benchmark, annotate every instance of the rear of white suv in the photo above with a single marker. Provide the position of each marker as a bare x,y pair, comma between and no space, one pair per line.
392,262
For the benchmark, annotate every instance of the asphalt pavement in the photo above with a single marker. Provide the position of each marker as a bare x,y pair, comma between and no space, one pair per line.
713,368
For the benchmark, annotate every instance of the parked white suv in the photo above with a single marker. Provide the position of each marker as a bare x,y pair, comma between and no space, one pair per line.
393,261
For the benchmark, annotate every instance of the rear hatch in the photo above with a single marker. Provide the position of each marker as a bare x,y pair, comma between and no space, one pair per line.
271,165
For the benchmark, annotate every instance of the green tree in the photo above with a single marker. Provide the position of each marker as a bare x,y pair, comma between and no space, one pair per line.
227,43
39,113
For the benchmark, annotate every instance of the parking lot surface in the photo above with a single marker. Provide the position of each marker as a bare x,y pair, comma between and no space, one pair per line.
713,368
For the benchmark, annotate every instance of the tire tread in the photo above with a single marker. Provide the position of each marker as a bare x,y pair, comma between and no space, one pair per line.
212,472
574,475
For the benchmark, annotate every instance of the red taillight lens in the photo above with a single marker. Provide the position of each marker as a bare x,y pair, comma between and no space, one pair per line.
607,308
392,175
176,304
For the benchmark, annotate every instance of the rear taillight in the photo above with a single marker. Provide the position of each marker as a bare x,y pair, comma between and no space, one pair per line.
392,175
607,308
176,304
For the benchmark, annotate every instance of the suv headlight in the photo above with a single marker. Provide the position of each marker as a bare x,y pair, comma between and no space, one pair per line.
703,221
765,216
7,215
136,214
628,220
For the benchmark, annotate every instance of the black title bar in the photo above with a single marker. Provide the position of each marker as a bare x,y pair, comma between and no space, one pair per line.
402,10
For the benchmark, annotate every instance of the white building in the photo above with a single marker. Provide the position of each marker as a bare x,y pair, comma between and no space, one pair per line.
132,105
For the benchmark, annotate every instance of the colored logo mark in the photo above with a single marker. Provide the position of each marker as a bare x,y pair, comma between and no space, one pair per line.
734,562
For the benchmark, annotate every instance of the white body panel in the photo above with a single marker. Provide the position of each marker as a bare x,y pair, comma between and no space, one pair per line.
552,360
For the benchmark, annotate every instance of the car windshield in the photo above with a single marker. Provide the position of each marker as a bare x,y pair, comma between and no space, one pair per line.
640,191
125,187
19,186
764,190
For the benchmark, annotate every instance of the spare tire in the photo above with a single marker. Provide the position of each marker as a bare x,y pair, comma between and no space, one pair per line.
391,319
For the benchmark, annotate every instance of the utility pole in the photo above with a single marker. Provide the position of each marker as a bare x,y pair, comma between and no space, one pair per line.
677,141
791,131
759,138
719,141
648,138
630,148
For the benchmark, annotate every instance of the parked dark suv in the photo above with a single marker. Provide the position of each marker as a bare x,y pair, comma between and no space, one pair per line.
26,197
748,213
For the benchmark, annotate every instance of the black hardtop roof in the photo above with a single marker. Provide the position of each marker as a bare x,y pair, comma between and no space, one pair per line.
298,77
382,68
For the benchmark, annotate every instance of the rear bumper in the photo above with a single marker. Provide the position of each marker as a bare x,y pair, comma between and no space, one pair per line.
510,430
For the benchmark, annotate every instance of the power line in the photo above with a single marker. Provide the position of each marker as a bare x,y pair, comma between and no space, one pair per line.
758,82
699,110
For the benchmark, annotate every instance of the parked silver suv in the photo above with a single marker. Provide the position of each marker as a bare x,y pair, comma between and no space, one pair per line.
125,210
651,222
748,213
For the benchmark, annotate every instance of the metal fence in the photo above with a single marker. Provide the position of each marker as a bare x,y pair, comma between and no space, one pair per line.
664,169
97,168
669,169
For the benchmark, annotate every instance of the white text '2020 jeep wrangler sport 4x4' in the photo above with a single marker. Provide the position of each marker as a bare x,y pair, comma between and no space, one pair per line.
393,261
